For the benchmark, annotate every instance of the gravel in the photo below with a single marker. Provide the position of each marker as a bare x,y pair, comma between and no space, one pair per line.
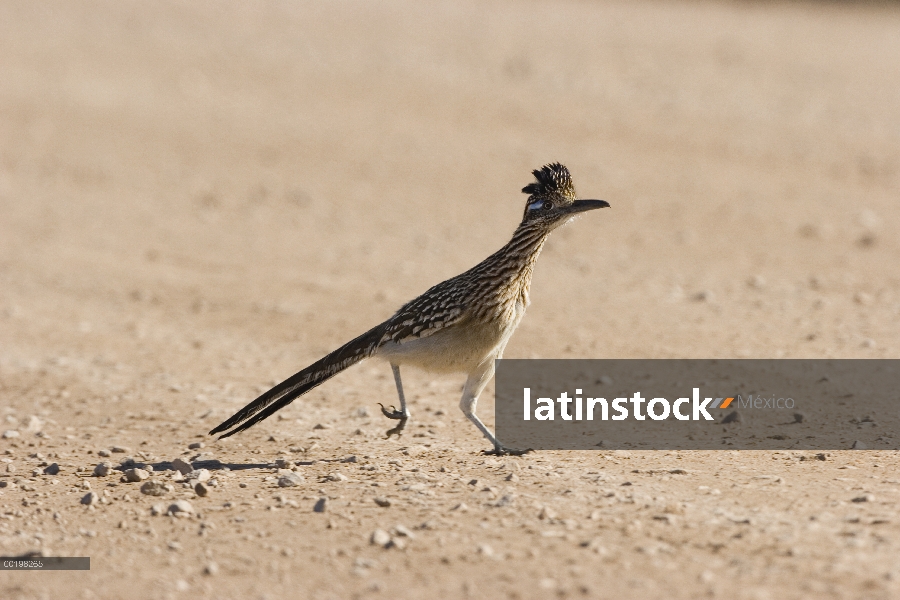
182,508
382,501
90,499
102,469
403,531
733,417
136,475
380,537
10,433
181,466
156,488
199,475
200,489
52,469
290,480
321,505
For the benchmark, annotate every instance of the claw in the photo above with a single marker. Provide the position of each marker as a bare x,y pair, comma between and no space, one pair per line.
393,413
396,430
504,451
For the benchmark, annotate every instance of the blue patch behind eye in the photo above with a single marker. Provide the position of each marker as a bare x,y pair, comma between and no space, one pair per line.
536,205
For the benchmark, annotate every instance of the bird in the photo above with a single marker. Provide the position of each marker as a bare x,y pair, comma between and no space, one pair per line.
461,325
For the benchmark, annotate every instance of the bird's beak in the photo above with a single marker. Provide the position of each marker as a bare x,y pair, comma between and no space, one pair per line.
583,205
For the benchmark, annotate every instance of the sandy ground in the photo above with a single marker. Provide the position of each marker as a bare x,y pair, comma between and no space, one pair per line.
197,200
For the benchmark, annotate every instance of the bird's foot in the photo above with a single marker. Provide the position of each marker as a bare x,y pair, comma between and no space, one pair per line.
393,413
504,451
396,430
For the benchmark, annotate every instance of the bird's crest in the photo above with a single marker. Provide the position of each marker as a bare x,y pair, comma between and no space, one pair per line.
553,181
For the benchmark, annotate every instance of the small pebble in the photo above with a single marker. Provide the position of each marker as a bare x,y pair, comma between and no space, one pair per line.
10,433
381,501
290,480
200,475
158,509
156,488
90,499
380,537
136,475
103,453
321,505
200,489
757,282
335,477
182,508
211,569
866,498
733,417
858,445
121,449
52,469
102,469
405,532
181,466
546,513
196,446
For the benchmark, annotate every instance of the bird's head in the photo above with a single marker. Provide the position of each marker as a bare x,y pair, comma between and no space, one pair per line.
551,198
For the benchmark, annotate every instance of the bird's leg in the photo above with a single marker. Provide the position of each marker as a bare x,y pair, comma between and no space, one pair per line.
476,382
403,414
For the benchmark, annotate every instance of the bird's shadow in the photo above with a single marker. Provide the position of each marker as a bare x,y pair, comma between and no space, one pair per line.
211,465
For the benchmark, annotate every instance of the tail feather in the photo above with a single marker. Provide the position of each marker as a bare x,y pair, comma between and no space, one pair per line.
298,384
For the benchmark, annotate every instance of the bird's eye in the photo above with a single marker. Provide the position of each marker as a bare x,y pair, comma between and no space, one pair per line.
548,205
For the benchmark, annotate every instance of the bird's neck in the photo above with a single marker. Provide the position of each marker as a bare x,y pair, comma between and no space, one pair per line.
525,246
520,254
505,277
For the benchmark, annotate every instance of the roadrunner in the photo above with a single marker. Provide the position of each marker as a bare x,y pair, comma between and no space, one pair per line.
459,325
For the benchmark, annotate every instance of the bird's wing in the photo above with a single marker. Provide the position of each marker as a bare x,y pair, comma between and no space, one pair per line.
439,308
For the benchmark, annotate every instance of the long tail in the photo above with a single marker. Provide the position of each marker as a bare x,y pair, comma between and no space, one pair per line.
295,386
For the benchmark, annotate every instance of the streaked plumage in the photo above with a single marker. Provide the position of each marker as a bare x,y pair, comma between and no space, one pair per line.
459,325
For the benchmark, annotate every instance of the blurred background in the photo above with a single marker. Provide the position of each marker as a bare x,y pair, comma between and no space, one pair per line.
215,182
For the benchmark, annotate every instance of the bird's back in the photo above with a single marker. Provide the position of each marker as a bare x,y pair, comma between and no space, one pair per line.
459,322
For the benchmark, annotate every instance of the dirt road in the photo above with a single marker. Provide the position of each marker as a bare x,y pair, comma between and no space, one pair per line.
197,200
